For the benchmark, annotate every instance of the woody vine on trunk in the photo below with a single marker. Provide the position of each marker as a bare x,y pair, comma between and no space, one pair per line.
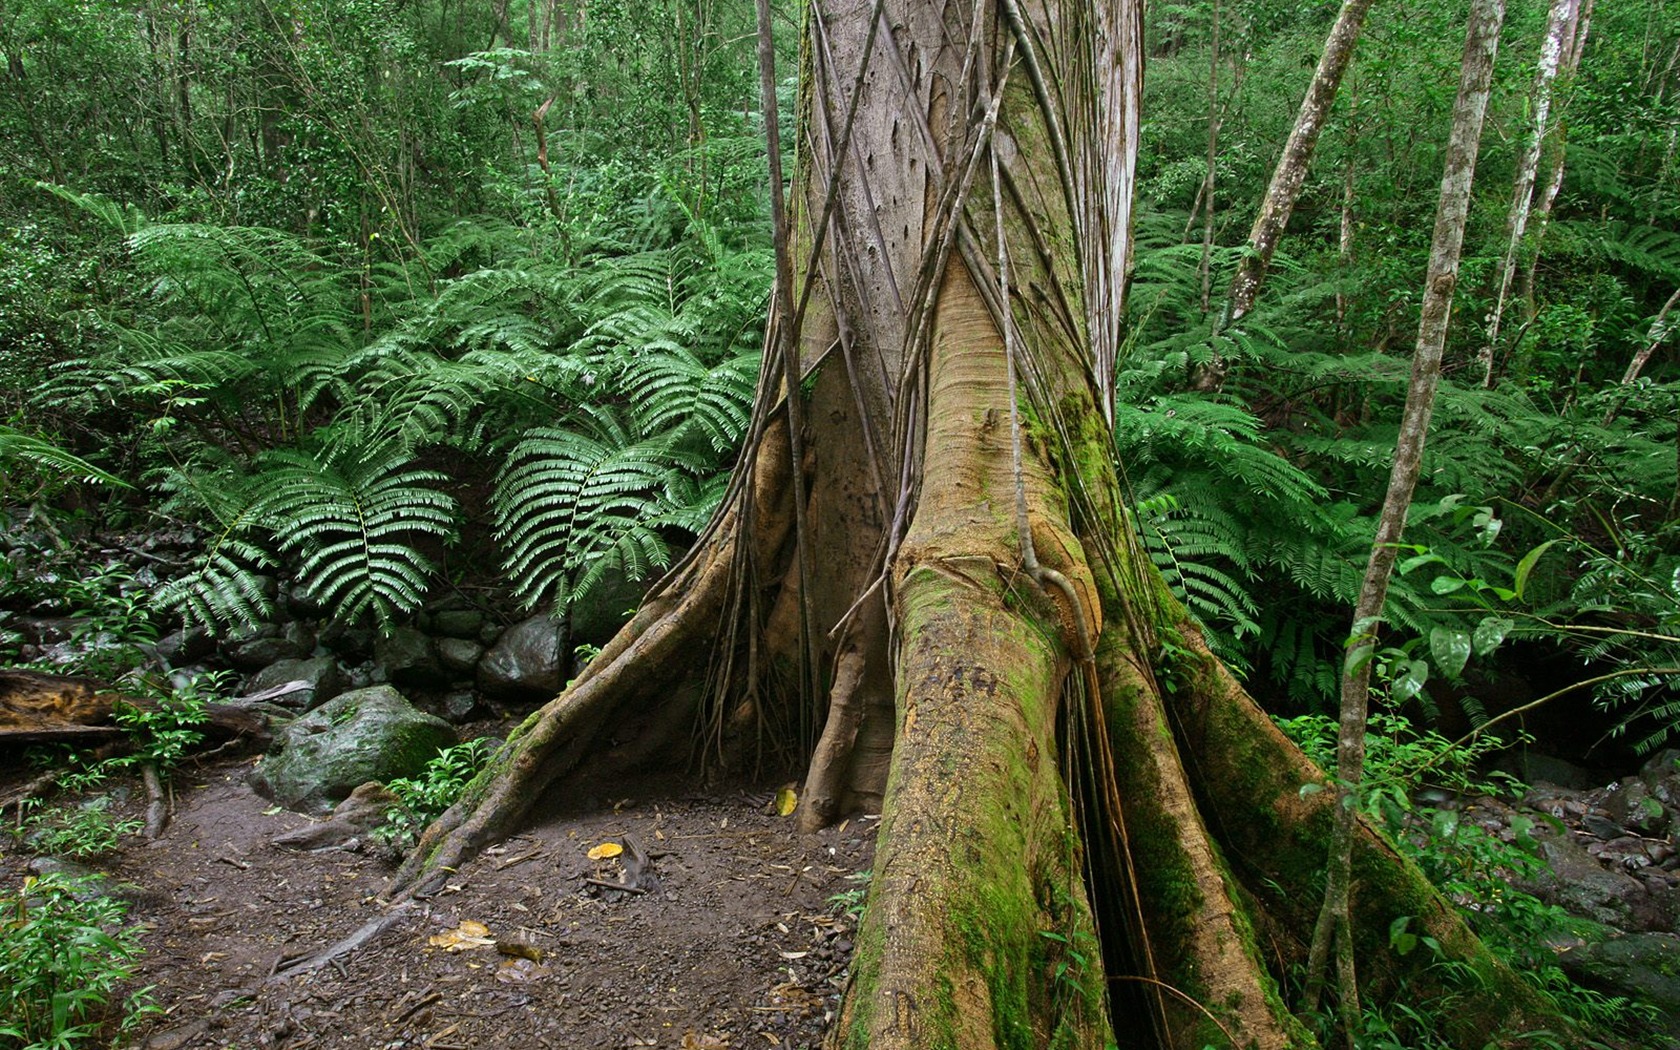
923,584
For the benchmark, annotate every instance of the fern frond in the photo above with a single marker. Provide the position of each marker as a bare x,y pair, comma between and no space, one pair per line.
354,518
16,446
568,499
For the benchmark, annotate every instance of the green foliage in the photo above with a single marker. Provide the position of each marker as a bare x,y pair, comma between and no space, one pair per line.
77,830
1477,868
849,902
425,797
574,504
20,451
170,723
64,951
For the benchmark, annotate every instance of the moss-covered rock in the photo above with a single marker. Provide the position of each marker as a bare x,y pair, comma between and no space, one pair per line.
367,734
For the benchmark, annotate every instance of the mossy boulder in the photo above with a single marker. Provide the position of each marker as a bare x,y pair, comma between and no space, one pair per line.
367,734
1645,967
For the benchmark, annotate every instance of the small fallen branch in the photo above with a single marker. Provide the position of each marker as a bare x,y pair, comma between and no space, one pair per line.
157,806
368,932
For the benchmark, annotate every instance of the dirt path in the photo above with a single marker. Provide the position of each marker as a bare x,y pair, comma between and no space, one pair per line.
734,942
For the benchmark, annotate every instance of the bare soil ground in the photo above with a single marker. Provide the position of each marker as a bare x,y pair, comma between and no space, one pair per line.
734,943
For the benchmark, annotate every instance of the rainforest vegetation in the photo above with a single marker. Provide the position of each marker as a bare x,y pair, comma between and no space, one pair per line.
403,298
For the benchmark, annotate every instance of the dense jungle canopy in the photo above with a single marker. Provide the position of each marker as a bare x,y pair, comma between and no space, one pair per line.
1005,412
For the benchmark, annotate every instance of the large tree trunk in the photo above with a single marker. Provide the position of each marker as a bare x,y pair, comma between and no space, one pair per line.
995,655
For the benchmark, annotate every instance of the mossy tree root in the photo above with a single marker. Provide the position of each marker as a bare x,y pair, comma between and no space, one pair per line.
1200,942
1249,778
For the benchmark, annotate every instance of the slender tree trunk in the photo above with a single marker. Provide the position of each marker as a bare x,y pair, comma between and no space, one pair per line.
1291,171
988,653
1558,40
1208,180
1555,155
1654,338
1288,176
1476,76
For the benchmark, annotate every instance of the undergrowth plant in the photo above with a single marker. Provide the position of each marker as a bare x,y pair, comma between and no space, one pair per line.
609,377
65,951
75,830
424,797
1478,869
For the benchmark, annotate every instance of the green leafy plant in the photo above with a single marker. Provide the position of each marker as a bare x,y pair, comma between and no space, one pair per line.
64,951
1477,868
849,902
167,727
76,830
424,797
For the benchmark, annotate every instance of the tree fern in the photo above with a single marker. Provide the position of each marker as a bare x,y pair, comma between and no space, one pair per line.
18,447
573,503
353,518
222,589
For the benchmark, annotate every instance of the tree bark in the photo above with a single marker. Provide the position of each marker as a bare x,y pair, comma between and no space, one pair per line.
1560,24
1291,171
996,654
1555,153
1475,78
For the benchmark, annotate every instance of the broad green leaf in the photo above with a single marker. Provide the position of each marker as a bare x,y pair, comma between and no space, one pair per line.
1451,649
1489,633
1446,584
1410,683
1526,566
1422,559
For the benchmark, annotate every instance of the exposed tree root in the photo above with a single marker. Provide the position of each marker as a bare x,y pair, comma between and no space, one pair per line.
1248,777
652,654
1201,944
157,805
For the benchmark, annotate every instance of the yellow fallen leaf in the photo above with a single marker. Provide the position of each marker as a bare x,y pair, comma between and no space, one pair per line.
469,934
605,850
519,971
786,802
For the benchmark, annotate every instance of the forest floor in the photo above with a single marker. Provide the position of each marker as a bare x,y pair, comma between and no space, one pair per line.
736,942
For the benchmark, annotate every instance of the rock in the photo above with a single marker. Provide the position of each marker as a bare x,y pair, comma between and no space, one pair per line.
607,607
357,815
1634,807
1644,967
409,658
185,647
458,623
458,654
68,869
1600,827
1665,763
322,674
1582,886
353,642
303,605
527,662
368,734
462,706
1544,768
253,651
